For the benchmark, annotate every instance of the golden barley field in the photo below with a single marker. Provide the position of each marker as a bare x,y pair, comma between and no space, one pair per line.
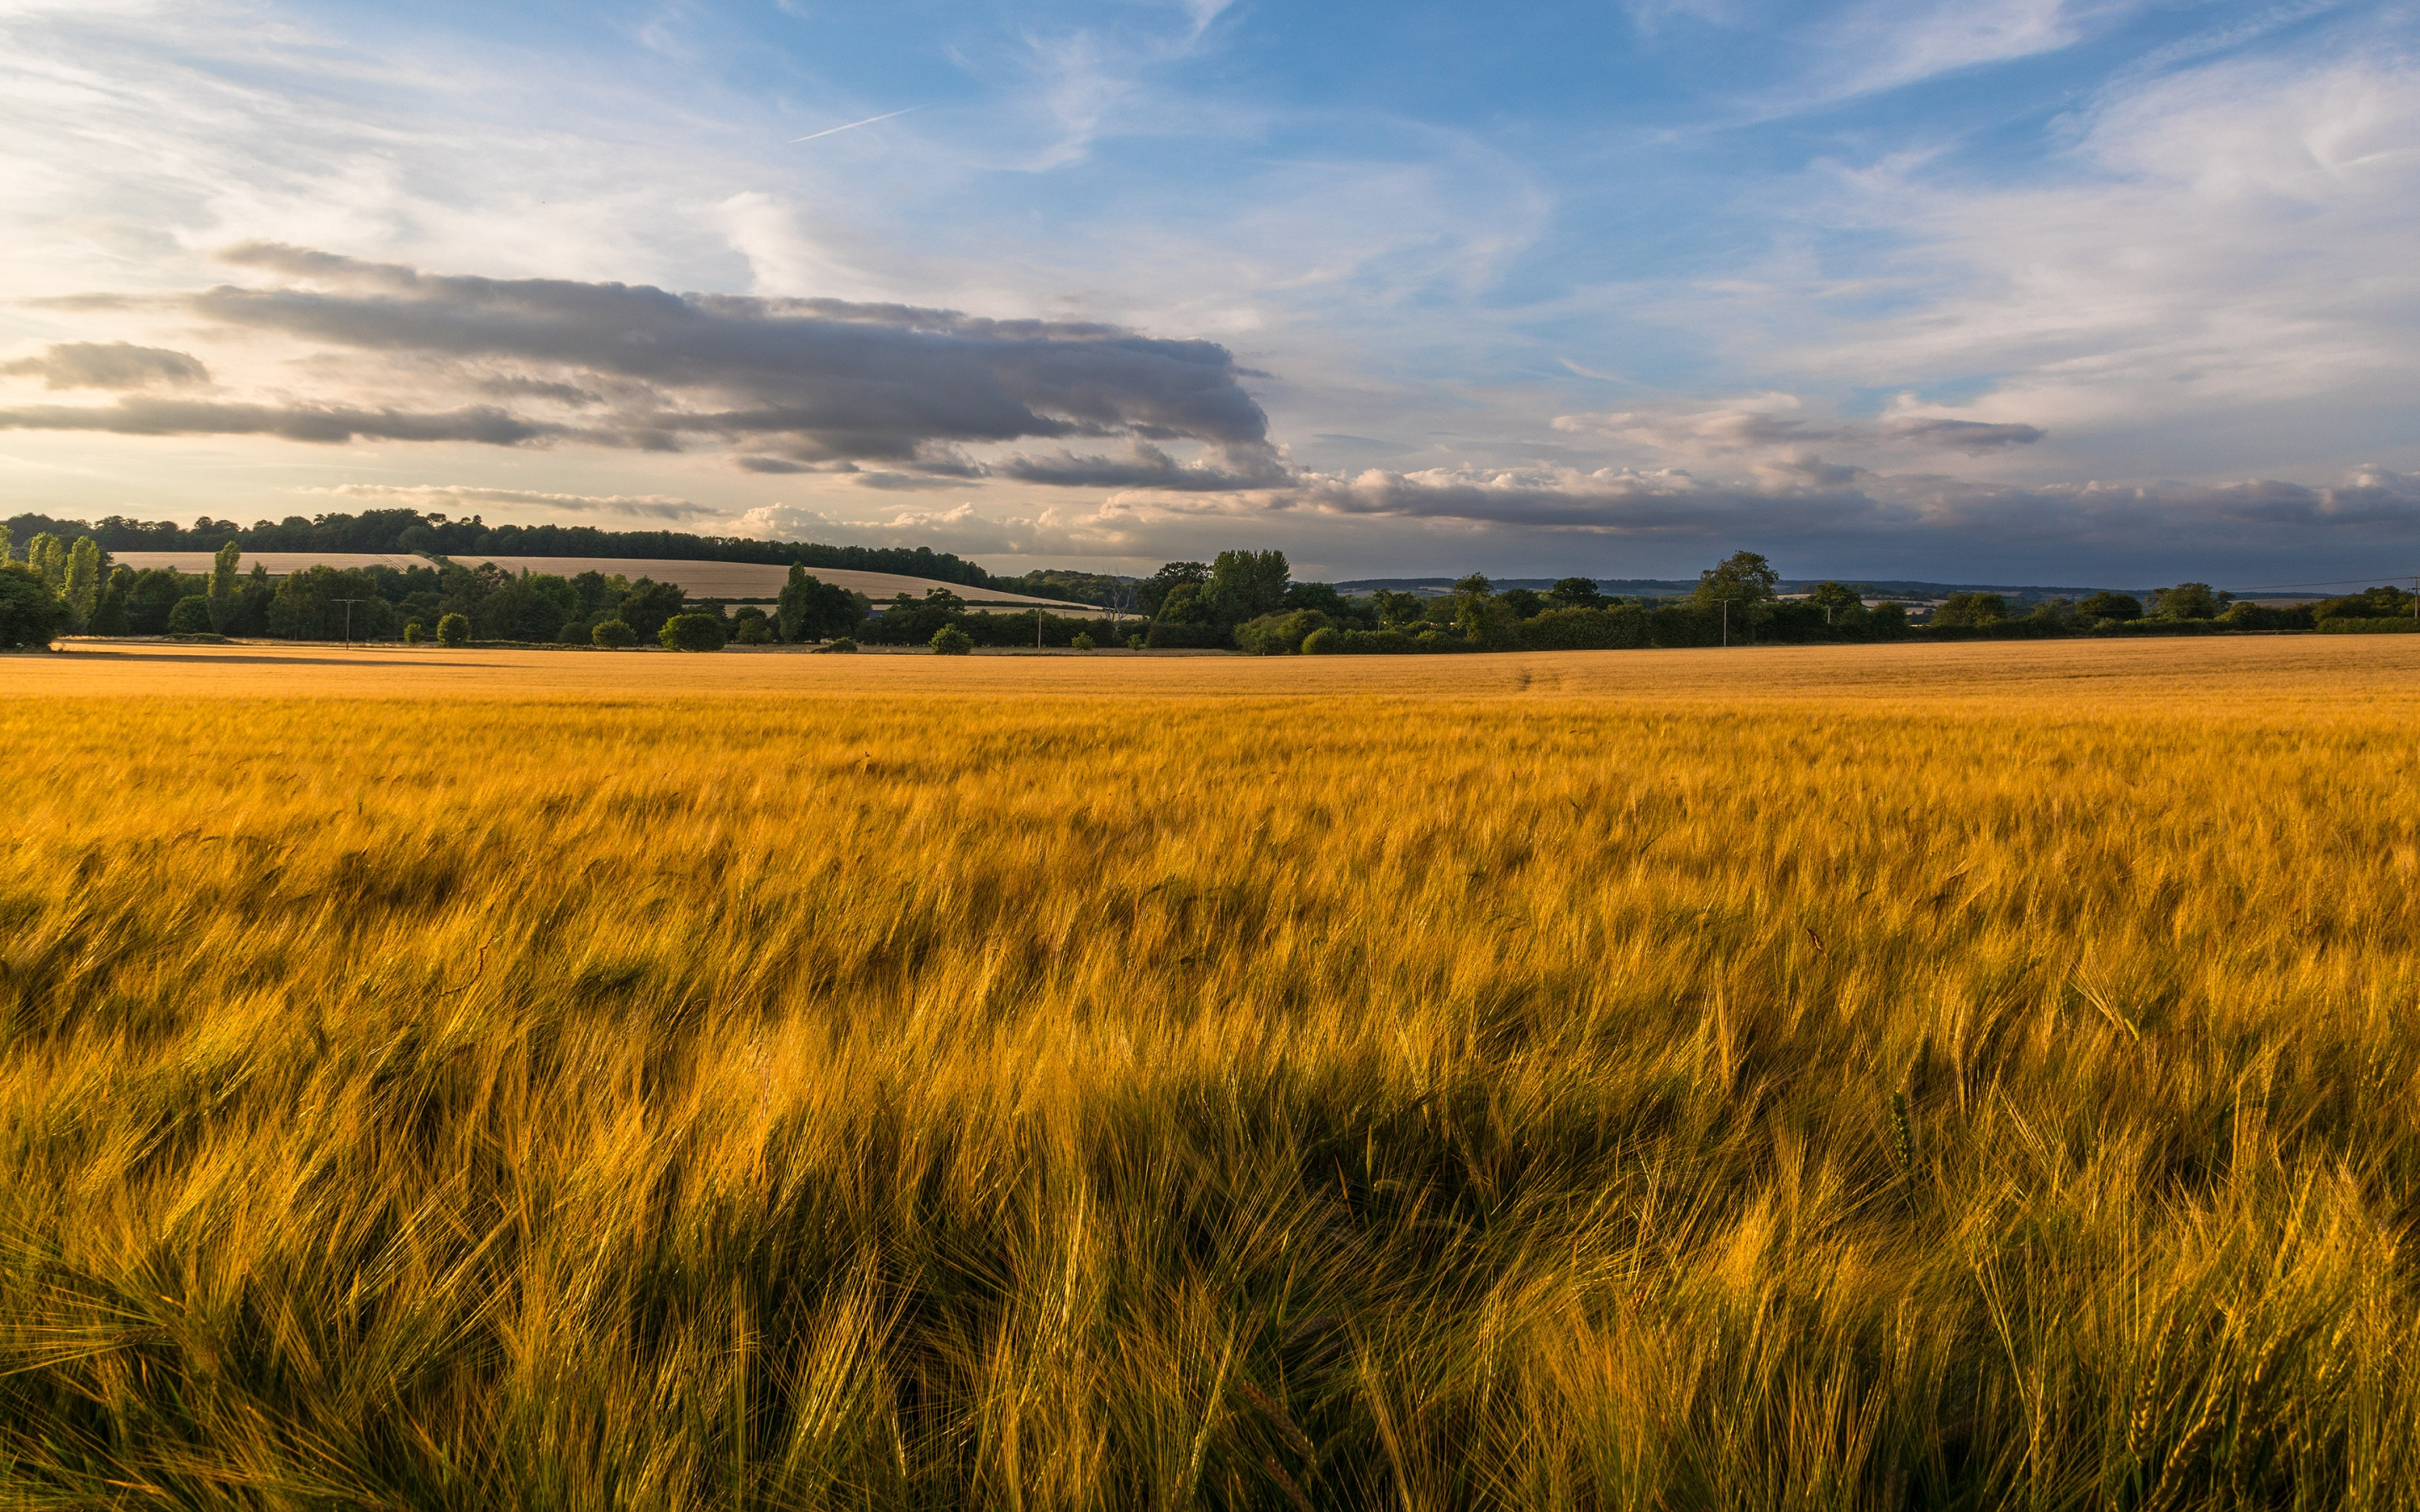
1867,1077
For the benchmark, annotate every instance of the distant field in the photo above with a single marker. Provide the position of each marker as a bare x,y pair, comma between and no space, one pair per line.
1900,1077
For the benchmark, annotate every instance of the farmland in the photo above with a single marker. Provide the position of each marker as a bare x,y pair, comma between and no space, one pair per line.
1956,1075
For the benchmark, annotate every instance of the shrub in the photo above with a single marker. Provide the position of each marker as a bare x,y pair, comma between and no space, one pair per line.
1324,641
948,640
414,633
1278,634
692,632
842,647
2351,627
192,616
1621,627
30,613
1164,635
453,630
1083,642
754,633
1134,643
613,635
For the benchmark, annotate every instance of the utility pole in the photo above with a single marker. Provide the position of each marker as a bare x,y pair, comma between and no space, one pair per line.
348,604
1038,626
1726,622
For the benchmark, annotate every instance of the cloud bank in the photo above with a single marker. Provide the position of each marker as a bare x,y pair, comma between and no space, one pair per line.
796,381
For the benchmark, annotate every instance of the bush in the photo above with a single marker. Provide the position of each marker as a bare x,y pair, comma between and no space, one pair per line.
692,632
414,633
1186,637
1621,627
30,613
453,630
1278,634
613,635
754,633
2350,627
1082,642
948,640
192,616
1134,643
1325,641
842,647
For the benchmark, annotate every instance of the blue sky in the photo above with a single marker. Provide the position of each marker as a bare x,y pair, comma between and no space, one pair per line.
2021,292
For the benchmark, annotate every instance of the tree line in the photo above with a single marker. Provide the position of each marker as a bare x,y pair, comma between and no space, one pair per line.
1243,600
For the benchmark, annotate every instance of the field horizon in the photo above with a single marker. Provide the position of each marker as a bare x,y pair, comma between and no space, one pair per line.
1884,1076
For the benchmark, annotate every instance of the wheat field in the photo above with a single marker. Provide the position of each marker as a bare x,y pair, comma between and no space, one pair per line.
1906,1076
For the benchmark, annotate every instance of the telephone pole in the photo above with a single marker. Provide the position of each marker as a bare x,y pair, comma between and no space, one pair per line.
1726,622
348,604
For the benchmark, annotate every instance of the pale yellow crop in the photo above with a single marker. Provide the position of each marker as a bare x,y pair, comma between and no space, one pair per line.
1861,1076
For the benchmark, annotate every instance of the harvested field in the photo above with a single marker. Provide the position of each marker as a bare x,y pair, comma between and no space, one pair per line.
1969,1075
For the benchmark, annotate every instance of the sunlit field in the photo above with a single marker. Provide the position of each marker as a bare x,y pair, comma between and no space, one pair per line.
1900,1076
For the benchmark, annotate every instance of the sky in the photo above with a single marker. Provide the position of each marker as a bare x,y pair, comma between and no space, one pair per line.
2022,292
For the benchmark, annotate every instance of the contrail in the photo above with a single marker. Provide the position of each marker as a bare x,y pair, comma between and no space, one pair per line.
853,125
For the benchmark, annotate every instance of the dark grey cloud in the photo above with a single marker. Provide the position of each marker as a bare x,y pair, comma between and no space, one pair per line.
792,381
1229,469
1971,436
1812,504
482,423
109,364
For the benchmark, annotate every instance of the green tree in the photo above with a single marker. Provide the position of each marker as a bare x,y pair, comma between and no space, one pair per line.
532,607
1245,585
1524,603
948,640
81,582
108,616
692,632
1746,581
47,557
1278,634
191,616
1576,593
1152,592
30,613
221,592
1971,608
2191,601
414,632
1083,640
1483,617
1321,596
812,610
647,606
7,545
1398,609
2109,606
613,635
454,630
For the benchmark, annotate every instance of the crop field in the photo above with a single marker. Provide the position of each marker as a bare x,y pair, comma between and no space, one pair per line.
1899,1076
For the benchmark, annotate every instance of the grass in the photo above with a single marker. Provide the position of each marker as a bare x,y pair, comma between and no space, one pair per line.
1894,1077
